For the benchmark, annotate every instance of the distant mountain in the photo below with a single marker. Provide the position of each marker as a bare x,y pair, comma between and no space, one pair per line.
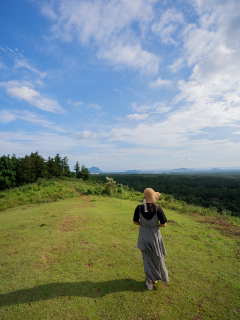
181,170
94,170
133,171
216,169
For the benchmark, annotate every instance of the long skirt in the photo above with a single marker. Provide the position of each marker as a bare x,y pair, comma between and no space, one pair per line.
154,267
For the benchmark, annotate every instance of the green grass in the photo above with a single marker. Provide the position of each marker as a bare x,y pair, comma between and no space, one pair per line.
42,191
77,259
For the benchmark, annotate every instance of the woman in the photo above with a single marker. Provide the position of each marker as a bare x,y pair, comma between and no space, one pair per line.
150,241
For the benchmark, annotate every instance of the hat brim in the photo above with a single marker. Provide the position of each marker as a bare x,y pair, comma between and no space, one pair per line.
153,198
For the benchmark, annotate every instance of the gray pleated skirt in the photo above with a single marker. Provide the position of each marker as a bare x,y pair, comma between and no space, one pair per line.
151,244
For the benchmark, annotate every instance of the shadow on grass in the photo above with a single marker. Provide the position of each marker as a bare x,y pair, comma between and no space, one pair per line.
79,289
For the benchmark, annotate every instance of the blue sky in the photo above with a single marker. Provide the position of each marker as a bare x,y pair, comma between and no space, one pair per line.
122,84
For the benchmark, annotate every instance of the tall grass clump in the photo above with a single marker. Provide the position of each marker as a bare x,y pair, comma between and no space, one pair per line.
39,192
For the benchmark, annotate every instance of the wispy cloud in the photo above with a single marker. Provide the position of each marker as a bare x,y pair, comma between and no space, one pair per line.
160,83
108,26
168,25
93,106
74,103
86,135
16,83
176,65
118,91
33,97
2,65
137,116
23,64
7,116
130,56
153,107
48,11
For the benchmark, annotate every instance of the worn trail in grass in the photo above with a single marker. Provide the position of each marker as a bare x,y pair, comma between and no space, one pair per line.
77,259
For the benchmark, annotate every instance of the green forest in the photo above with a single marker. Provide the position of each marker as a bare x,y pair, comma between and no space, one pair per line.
15,171
221,191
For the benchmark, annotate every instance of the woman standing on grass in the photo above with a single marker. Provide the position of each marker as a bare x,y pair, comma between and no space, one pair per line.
150,241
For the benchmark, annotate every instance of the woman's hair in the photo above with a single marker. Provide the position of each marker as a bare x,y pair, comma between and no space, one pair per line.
151,207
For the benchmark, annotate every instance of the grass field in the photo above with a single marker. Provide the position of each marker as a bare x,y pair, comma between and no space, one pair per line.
77,259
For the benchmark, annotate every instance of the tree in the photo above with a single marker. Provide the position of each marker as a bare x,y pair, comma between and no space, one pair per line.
50,167
7,173
25,170
41,169
85,174
65,167
57,165
77,169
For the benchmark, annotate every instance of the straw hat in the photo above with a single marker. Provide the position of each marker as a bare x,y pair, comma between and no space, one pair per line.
150,195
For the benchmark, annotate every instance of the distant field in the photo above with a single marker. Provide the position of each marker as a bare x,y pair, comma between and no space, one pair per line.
77,259
218,190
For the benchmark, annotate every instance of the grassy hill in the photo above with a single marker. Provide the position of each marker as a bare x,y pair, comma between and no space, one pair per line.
76,258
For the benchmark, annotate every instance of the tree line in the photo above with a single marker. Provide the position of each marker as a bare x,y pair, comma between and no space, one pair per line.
18,171
221,191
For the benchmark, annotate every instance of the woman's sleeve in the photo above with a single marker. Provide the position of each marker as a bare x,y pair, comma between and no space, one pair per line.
136,215
161,216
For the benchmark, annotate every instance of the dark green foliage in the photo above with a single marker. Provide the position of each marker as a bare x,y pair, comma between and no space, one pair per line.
18,171
50,167
77,169
82,173
25,170
39,165
65,167
7,173
57,171
85,174
213,190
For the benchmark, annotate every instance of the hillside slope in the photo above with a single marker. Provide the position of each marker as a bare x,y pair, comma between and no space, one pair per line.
77,259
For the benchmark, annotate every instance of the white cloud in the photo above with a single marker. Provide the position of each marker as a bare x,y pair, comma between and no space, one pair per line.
121,55
23,93
137,116
176,65
93,106
168,25
10,50
153,107
7,116
108,26
86,135
40,83
118,91
2,65
160,83
34,98
98,19
23,64
74,103
16,83
48,11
